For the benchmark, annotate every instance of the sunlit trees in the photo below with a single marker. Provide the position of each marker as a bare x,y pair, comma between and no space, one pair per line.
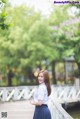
15,40
32,40
58,16
65,33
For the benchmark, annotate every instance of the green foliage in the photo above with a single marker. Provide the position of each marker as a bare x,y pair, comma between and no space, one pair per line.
4,1
59,15
76,73
41,43
27,40
3,15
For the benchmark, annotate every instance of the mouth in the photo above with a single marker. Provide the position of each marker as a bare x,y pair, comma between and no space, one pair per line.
40,80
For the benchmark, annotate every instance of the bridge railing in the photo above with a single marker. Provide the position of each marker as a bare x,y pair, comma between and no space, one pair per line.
57,111
61,93
18,93
66,94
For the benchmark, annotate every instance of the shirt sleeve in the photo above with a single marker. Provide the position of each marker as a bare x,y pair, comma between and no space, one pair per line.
41,92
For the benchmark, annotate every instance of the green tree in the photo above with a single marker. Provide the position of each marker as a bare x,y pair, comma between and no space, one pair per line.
3,15
72,33
58,16
65,35
15,40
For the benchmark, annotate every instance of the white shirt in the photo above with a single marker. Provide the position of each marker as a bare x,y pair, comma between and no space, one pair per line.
41,93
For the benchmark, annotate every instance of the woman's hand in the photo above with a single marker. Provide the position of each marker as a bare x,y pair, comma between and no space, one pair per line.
32,102
39,103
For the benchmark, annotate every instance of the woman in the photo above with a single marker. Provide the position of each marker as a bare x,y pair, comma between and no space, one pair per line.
41,96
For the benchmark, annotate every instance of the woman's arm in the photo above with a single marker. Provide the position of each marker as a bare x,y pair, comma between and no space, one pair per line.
40,96
39,103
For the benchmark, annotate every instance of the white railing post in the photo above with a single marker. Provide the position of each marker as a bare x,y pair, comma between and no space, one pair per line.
26,93
15,97
77,83
4,96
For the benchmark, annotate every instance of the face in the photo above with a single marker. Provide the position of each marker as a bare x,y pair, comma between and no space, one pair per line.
40,78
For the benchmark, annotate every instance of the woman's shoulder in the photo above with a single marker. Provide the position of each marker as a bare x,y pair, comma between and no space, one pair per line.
42,86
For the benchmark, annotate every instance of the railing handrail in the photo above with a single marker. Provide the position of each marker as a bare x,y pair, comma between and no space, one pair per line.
58,92
36,85
60,109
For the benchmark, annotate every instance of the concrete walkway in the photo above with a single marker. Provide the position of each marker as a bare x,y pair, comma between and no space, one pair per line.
16,110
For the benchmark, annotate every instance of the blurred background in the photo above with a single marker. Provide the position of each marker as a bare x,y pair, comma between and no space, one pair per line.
39,35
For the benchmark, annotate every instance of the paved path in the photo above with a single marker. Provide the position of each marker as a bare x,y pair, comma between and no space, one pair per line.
17,110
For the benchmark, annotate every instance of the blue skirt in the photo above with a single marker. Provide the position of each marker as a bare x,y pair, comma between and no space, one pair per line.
42,112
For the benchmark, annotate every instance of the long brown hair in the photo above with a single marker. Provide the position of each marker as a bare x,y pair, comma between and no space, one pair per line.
46,80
